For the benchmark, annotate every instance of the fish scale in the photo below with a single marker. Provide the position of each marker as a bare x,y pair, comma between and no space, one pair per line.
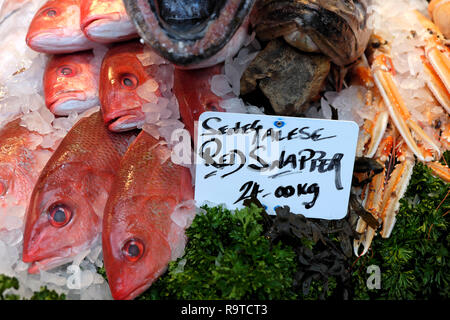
20,161
77,180
148,189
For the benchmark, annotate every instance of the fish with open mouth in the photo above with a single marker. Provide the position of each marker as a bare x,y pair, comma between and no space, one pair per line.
71,83
106,21
149,207
21,161
64,215
192,34
121,74
56,28
193,91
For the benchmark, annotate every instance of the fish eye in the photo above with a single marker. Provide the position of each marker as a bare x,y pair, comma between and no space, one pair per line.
279,124
50,12
133,250
66,71
129,81
3,188
59,215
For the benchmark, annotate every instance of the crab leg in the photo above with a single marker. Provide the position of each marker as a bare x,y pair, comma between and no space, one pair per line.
373,198
398,111
395,189
436,85
440,170
373,130
437,62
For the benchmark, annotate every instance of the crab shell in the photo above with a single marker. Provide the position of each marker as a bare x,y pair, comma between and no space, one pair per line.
189,32
337,28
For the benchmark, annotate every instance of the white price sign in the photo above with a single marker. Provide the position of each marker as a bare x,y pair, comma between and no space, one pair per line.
306,164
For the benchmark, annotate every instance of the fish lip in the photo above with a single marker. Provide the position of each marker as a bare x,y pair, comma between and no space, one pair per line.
48,262
132,293
115,119
125,123
93,21
63,96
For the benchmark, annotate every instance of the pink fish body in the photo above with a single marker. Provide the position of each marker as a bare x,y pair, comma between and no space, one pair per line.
149,207
65,210
106,21
71,83
193,91
21,161
56,28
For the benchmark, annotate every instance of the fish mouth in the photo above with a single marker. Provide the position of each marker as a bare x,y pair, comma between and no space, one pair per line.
131,293
55,41
46,263
186,34
103,28
184,23
125,120
66,101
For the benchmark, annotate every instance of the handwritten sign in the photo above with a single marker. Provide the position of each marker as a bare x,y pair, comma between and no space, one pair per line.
306,164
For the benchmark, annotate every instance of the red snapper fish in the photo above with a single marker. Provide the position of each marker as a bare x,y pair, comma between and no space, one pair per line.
106,21
120,76
56,28
149,207
193,91
64,215
71,83
21,161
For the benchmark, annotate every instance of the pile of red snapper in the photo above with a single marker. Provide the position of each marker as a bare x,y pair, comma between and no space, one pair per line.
105,180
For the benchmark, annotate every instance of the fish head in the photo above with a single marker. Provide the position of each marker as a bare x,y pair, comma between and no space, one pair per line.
120,76
188,33
62,219
71,83
55,28
135,246
106,21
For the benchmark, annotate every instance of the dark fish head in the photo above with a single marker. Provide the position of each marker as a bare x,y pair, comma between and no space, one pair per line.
71,83
121,74
188,32
134,246
61,219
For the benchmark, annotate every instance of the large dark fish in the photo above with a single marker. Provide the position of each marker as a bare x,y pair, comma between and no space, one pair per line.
191,33
337,28
149,207
64,215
